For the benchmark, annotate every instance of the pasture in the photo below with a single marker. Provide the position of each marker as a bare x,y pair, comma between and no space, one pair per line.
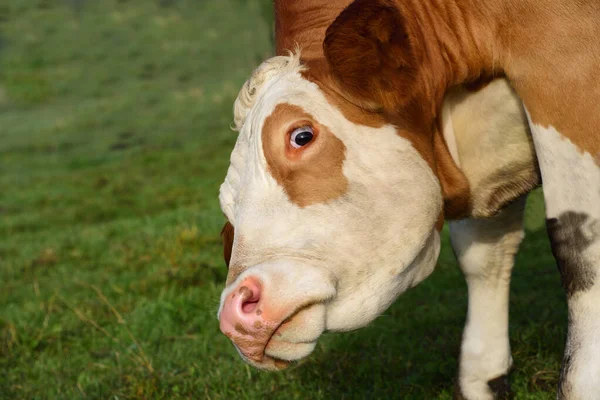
114,139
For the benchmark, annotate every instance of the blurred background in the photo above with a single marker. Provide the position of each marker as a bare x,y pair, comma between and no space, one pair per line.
114,139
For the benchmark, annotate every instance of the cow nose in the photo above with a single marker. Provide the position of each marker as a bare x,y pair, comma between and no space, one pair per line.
241,310
274,315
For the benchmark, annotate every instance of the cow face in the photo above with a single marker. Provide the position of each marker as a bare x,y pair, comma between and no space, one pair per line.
329,219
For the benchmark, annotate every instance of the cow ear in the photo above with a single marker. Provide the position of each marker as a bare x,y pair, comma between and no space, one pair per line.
227,234
370,53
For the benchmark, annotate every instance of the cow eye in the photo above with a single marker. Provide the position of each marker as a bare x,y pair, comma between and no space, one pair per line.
301,137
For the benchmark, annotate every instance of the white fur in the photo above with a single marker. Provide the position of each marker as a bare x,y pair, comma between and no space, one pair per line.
485,249
572,183
264,73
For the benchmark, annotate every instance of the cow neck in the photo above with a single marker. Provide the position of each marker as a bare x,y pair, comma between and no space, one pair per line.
302,23
454,42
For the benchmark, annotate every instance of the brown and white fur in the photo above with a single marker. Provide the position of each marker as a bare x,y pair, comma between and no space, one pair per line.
327,235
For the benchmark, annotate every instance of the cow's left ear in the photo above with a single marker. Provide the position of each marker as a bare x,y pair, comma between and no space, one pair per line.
370,52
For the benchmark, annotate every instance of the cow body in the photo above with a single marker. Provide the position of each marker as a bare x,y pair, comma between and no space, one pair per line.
352,152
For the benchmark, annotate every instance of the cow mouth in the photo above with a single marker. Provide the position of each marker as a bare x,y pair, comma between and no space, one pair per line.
279,355
277,347
267,363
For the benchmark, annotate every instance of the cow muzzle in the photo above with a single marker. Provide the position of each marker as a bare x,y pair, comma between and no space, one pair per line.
275,313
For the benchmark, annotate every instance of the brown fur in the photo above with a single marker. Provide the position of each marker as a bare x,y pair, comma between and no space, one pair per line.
227,234
369,51
318,72
547,48
386,53
552,61
309,175
303,23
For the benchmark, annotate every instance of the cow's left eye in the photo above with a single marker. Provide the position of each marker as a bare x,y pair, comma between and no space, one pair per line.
301,137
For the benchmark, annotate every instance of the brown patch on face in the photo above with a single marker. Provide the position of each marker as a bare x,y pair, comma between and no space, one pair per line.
227,234
251,348
258,324
241,329
309,175
258,312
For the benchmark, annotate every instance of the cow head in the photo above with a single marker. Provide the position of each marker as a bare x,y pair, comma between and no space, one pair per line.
332,207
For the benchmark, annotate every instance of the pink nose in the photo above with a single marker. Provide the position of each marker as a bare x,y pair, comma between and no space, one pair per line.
244,321
241,311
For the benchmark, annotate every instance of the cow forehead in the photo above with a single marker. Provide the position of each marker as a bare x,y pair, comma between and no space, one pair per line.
315,177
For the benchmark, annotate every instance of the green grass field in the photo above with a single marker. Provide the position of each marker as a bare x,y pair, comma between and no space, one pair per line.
114,139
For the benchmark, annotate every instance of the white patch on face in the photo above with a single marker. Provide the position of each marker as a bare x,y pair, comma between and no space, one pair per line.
571,179
374,242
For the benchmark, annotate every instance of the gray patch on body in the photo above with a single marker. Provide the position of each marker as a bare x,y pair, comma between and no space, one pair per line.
570,235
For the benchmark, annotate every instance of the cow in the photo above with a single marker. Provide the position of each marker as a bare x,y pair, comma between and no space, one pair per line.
354,148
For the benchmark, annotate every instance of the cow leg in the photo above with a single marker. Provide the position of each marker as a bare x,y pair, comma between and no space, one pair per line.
571,179
485,249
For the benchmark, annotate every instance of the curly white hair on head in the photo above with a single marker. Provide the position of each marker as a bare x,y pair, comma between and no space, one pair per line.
266,71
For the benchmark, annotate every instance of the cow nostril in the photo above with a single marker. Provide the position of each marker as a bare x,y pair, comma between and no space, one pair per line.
249,306
250,299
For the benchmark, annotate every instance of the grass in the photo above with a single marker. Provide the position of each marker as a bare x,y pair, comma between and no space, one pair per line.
114,139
